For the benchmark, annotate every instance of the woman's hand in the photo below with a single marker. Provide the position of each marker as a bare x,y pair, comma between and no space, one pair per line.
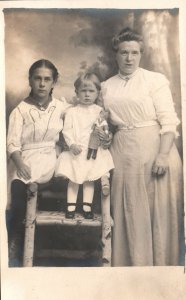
23,171
75,149
160,165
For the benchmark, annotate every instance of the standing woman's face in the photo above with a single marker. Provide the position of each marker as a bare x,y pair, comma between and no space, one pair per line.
41,83
128,57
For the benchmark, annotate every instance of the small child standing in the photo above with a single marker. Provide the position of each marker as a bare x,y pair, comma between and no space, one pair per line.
74,164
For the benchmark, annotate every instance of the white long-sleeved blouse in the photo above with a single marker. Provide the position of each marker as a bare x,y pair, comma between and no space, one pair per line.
29,125
140,99
34,132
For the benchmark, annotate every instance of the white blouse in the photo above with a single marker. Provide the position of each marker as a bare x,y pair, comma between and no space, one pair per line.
34,132
140,99
29,125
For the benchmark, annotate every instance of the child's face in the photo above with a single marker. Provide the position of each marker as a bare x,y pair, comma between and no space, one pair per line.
41,83
87,93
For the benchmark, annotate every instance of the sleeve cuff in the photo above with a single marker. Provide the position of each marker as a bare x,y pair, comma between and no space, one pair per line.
169,128
12,148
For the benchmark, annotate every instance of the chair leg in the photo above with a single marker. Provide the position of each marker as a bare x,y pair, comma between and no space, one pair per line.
106,230
30,225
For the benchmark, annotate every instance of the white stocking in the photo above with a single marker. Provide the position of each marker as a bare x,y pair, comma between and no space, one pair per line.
72,193
88,194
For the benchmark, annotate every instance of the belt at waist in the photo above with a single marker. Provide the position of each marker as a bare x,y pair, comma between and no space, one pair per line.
137,125
38,145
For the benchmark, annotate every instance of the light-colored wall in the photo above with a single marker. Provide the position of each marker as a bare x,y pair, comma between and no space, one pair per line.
75,40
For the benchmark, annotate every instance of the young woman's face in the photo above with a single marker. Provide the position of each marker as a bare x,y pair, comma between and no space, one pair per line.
128,57
41,83
87,93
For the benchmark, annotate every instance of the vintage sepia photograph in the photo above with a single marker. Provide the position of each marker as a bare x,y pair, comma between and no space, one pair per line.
94,138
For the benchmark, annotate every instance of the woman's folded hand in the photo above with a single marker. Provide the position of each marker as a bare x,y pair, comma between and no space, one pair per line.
160,165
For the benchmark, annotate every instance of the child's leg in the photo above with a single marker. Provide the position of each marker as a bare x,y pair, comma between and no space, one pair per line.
15,222
88,194
105,184
72,193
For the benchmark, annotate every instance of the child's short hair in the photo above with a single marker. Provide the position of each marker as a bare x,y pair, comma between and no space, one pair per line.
87,77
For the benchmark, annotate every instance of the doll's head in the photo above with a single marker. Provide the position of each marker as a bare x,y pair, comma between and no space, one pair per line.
104,115
87,88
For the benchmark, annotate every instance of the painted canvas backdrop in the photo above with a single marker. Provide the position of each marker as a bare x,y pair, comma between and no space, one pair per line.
76,40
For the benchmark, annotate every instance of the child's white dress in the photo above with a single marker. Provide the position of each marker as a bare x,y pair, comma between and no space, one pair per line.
77,129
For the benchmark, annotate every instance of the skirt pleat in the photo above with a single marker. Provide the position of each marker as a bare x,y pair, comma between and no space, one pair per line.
147,210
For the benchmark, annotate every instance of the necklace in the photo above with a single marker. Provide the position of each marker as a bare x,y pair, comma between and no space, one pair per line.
125,78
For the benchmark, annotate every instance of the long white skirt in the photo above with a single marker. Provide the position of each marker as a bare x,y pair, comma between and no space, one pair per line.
147,210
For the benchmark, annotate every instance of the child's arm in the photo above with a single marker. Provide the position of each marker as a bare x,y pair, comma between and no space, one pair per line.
75,149
23,171
68,133
14,144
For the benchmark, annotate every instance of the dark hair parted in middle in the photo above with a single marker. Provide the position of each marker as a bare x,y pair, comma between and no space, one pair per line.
127,35
44,63
84,78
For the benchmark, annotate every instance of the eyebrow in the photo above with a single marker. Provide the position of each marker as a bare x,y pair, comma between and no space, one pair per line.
127,51
45,77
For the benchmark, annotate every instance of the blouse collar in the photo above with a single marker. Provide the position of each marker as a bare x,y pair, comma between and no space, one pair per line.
31,100
127,77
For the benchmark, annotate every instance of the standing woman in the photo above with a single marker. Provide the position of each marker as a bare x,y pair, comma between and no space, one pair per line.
34,127
146,197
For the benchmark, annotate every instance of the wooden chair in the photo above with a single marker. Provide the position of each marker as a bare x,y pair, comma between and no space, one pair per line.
36,218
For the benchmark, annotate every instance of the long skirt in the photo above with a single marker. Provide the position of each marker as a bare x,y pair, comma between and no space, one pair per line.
147,209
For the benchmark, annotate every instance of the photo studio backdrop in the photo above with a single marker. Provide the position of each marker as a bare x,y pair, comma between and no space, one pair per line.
76,40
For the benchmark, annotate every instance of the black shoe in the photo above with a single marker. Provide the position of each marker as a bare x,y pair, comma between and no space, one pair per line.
88,215
70,214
